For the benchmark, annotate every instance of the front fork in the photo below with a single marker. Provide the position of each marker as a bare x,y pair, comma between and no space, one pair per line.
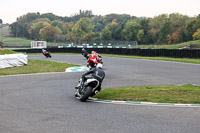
79,87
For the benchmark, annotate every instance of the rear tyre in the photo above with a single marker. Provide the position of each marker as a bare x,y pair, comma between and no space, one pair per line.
85,93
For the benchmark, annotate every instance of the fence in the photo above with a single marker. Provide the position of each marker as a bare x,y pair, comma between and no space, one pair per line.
130,44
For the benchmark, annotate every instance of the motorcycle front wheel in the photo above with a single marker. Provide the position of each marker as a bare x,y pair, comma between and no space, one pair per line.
85,93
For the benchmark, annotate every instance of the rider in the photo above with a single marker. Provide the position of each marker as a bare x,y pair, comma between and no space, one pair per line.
85,53
44,51
96,73
92,59
98,57
95,57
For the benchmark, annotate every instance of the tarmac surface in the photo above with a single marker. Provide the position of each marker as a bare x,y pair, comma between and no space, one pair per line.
44,103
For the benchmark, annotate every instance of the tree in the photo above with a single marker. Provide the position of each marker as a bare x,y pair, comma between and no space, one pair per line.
196,35
82,28
192,27
67,30
67,27
178,21
155,26
50,33
50,16
35,29
106,34
130,30
178,26
175,37
1,22
98,23
17,29
96,36
144,22
112,27
140,35
57,23
28,18
123,18
70,36
164,31
88,36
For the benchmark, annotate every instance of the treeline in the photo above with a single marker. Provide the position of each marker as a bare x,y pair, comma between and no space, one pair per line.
162,29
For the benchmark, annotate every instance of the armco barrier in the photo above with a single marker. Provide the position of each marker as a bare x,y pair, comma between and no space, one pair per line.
186,53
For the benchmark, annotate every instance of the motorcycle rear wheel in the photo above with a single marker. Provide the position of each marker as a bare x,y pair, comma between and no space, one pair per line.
85,93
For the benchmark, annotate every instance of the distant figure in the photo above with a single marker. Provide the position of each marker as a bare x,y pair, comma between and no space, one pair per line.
85,53
46,53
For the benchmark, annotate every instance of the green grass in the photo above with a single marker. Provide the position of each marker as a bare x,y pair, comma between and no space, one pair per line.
36,66
6,51
185,60
12,41
169,46
186,94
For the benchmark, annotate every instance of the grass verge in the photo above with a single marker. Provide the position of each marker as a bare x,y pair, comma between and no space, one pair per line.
36,66
6,51
185,94
185,60
170,46
13,41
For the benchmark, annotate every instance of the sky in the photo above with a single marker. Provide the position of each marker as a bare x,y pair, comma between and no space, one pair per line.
11,9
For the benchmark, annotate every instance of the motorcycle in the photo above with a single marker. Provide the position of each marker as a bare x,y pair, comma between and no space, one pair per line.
97,59
86,89
47,54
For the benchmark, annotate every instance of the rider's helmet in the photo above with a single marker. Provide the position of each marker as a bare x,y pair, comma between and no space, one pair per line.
94,52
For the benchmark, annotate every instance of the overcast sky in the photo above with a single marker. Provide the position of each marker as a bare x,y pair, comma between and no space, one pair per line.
11,9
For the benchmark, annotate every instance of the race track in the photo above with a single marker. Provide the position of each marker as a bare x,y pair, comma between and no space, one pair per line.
44,103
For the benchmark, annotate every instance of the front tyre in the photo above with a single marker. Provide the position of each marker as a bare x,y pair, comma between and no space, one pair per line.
85,93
